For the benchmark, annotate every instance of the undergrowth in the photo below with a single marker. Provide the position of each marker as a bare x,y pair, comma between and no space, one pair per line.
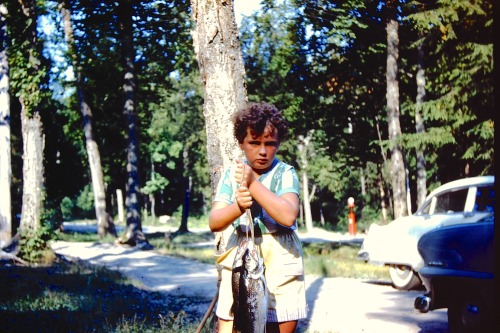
75,297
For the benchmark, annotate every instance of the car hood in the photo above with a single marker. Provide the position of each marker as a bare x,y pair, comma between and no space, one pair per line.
396,242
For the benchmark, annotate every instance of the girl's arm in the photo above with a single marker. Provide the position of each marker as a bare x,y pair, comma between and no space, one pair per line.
283,209
223,214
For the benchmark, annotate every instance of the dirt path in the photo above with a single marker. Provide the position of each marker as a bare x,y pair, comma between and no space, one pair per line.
335,304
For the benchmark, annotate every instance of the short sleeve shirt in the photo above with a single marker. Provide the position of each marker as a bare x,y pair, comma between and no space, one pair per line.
281,178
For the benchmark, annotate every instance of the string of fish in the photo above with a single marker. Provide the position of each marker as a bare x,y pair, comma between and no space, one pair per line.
248,283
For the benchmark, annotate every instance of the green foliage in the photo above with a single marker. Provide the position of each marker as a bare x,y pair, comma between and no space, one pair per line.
335,260
177,144
85,201
340,95
457,37
156,184
322,63
67,208
34,244
51,215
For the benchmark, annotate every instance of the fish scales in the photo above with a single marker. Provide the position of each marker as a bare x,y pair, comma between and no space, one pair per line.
249,290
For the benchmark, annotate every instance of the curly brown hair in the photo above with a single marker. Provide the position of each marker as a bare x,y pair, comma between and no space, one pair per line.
258,116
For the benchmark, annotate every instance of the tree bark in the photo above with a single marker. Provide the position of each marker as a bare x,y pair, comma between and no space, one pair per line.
185,209
31,128
105,224
5,151
218,51
133,235
398,175
420,129
33,145
383,196
222,71
303,149
307,202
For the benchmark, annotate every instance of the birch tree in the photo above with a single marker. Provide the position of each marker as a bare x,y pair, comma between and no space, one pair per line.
31,127
105,223
420,128
398,176
215,39
304,155
5,151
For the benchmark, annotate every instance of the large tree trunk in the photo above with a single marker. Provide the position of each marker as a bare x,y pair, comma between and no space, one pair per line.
33,145
222,73
218,51
5,152
398,175
133,235
420,129
31,127
105,223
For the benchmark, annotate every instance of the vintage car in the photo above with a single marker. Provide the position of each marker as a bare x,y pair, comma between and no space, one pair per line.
459,274
466,200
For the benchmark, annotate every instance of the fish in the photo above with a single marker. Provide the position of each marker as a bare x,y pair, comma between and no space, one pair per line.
249,290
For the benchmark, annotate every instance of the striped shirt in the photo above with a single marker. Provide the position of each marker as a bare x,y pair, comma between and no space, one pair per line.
281,178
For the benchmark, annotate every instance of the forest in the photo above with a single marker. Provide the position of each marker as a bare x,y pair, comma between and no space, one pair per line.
386,100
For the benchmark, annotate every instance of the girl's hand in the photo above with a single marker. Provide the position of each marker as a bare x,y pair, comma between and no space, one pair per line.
243,173
243,197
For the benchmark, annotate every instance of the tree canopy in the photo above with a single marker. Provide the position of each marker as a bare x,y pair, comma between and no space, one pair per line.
322,62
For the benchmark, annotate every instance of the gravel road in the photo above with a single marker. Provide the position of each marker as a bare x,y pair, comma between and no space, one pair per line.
336,305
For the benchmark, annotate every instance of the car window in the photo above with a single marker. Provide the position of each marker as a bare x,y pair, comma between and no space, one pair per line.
426,207
485,199
451,202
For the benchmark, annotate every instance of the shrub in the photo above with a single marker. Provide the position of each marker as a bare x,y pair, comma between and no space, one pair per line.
85,201
34,245
67,208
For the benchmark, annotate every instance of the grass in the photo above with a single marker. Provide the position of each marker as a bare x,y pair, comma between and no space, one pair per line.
321,259
76,297
339,260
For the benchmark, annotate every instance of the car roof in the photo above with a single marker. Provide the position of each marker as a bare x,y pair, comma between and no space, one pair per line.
464,182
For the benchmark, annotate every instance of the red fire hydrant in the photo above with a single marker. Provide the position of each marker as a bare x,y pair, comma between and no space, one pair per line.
351,216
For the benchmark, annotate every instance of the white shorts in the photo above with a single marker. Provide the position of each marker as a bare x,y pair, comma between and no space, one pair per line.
284,273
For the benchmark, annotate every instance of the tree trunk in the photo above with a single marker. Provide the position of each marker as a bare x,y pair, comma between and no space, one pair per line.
133,235
31,128
222,73
380,177
185,209
217,47
33,145
307,202
398,175
383,197
5,152
103,225
420,129
303,149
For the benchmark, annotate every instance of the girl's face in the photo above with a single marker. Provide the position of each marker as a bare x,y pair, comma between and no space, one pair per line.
261,150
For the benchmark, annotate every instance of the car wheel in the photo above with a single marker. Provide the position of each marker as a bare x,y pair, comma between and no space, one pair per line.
404,277
469,314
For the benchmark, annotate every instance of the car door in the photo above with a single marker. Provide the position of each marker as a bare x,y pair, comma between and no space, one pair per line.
444,208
